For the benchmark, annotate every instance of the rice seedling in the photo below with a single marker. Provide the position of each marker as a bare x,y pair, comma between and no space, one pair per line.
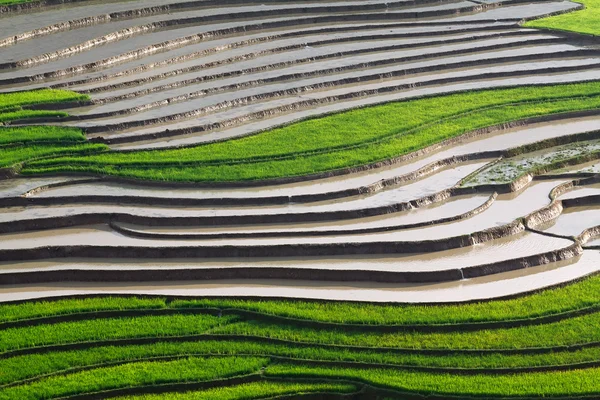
255,390
135,374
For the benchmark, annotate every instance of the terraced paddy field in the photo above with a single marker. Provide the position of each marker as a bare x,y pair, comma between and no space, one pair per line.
299,199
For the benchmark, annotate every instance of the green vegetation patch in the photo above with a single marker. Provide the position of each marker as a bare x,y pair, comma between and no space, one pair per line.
563,333
337,141
108,329
583,21
509,169
38,309
257,390
42,96
569,383
26,134
190,369
26,143
29,366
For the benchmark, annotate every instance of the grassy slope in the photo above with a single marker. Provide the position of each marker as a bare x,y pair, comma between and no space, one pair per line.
584,21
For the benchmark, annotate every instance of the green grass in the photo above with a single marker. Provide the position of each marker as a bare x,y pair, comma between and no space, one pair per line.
10,156
26,143
337,141
584,21
570,383
564,333
37,309
25,134
121,364
257,390
42,96
35,365
6,116
107,329
190,369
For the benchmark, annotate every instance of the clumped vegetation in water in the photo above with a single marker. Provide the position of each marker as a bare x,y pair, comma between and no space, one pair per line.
509,169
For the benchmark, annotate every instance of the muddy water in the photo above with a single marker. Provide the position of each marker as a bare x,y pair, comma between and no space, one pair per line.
33,20
341,106
430,185
454,207
592,167
19,186
227,113
294,69
497,141
573,221
315,83
582,191
120,47
520,11
306,34
504,210
509,169
135,42
498,285
522,245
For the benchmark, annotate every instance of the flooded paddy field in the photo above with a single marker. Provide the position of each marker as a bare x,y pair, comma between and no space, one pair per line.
299,199
183,74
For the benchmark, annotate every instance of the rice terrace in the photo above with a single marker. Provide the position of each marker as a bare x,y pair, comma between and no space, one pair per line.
299,199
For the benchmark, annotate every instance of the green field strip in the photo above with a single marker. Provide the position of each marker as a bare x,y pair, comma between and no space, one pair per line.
255,390
108,329
586,21
12,103
563,335
12,156
26,143
139,374
444,127
391,119
28,310
39,309
580,295
575,331
30,367
22,135
568,384
27,114
254,315
41,96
